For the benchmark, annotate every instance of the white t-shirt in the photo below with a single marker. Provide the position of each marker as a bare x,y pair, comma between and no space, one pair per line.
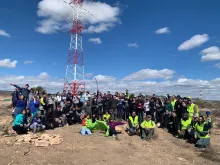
146,106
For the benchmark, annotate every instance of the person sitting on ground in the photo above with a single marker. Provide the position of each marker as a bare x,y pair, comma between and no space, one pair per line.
112,125
133,124
106,116
49,123
34,106
19,123
191,130
37,124
58,117
202,133
19,106
28,116
148,127
172,124
86,123
185,125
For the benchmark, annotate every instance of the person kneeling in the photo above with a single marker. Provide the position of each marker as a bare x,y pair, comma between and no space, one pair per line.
19,123
148,127
202,133
37,124
133,124
185,125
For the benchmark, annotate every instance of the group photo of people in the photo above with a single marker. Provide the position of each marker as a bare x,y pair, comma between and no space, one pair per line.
35,111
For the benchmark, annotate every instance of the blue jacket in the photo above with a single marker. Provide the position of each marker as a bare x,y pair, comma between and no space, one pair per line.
20,104
37,120
18,120
34,106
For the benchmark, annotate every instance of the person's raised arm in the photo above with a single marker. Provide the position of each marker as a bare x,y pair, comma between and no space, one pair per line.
16,86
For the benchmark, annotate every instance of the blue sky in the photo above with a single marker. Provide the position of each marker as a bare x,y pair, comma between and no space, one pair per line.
132,23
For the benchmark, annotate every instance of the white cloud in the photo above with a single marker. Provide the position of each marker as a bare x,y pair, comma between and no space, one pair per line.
193,42
104,16
88,75
182,86
133,45
162,30
217,65
210,54
7,63
43,75
95,40
102,78
150,74
3,33
28,62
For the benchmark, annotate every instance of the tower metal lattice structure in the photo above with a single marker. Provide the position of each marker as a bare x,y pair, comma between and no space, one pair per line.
74,77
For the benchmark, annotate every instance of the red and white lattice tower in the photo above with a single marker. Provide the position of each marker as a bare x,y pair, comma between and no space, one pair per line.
74,78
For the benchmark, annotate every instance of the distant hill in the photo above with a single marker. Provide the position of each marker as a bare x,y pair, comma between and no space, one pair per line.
5,93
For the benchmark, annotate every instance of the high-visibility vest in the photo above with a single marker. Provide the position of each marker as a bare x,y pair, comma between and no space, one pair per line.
134,121
185,123
200,128
173,103
148,124
190,110
107,116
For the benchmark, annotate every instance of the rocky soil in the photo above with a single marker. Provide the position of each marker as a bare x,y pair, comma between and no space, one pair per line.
73,149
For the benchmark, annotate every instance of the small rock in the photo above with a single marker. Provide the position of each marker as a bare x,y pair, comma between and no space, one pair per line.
181,159
41,143
19,139
55,141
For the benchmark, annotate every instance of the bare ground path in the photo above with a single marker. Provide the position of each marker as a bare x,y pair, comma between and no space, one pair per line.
99,150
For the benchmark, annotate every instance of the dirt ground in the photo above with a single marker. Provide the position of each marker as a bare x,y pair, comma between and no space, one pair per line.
99,150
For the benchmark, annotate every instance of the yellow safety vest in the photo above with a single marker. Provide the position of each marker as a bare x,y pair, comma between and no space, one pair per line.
173,103
185,123
199,128
190,110
135,121
148,124
107,116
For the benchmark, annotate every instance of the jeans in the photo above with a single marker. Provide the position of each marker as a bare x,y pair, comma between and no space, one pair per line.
84,131
37,127
203,142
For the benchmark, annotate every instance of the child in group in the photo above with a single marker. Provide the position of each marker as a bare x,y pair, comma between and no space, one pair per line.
37,124
19,123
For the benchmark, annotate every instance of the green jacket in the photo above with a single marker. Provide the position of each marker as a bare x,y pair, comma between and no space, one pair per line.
168,107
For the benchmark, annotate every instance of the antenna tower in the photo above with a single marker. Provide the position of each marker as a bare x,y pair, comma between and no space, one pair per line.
74,77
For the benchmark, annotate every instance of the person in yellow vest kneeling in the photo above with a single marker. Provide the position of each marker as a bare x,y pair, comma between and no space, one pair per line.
133,125
148,127
185,125
106,116
202,133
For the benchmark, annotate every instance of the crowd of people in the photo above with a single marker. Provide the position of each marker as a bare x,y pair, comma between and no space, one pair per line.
34,111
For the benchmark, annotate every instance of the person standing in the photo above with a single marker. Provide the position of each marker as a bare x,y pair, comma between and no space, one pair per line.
24,91
14,97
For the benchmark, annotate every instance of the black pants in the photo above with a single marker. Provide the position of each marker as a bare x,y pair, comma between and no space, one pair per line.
112,132
20,130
